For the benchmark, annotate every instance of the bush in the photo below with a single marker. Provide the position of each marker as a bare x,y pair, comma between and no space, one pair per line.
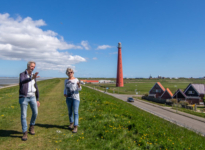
185,103
174,101
146,95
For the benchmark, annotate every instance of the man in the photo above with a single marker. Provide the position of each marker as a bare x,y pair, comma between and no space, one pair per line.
28,94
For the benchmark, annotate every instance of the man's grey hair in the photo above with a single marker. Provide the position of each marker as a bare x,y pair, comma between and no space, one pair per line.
30,62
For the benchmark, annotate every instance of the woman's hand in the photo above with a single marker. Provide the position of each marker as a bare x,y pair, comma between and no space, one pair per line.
65,95
78,84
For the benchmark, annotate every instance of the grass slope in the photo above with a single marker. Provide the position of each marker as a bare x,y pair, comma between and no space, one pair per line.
105,123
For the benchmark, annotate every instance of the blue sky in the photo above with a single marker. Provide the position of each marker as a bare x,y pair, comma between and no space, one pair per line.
159,37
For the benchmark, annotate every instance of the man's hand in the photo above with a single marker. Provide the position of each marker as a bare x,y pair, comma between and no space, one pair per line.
78,84
35,75
38,103
65,95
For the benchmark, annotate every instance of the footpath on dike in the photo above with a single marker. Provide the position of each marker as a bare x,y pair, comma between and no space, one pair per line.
191,122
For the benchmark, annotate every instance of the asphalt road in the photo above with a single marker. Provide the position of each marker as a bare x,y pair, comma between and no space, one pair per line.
191,122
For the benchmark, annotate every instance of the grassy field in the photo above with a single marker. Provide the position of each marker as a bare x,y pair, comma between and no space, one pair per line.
144,85
105,123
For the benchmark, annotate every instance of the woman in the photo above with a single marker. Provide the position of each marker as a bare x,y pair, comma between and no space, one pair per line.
71,92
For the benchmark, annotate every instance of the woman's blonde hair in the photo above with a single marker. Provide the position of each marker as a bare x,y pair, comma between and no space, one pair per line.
68,70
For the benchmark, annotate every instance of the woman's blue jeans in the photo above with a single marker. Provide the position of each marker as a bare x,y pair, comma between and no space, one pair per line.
24,104
73,106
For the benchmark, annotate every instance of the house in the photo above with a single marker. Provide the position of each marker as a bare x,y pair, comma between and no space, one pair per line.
167,94
90,81
179,95
157,90
195,93
106,81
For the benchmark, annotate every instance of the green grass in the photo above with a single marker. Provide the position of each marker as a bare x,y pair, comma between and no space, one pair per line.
200,114
105,123
143,86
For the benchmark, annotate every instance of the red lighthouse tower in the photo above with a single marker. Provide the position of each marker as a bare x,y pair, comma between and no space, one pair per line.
119,80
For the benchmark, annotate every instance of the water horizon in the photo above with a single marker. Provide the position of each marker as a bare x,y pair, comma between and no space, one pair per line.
6,81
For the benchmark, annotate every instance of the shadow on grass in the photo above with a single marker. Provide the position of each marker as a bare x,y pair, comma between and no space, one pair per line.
9,133
51,126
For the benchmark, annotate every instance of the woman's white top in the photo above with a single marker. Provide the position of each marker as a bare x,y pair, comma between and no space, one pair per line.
71,88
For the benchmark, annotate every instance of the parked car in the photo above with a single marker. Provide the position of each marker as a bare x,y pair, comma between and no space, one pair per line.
130,99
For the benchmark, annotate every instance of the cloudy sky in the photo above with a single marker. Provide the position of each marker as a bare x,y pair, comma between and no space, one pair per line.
158,37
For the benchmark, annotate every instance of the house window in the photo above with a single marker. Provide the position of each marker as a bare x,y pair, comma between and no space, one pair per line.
158,90
191,92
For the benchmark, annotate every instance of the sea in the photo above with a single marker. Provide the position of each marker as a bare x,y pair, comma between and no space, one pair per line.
6,81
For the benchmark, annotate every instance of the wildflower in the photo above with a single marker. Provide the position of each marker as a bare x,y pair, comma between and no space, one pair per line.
2,115
56,141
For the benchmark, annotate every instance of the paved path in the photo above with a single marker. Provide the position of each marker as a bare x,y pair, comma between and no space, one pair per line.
189,121
8,86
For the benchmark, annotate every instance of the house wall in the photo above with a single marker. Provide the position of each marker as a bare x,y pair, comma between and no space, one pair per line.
193,101
179,96
202,96
166,96
153,91
191,89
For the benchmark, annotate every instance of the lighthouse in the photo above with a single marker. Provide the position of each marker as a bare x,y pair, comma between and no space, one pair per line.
119,80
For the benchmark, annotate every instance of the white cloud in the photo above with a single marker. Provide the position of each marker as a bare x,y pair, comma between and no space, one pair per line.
94,58
22,39
113,53
85,45
103,47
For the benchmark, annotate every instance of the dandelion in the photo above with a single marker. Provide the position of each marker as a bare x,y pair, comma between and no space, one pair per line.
2,115
82,133
172,143
101,136
56,141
